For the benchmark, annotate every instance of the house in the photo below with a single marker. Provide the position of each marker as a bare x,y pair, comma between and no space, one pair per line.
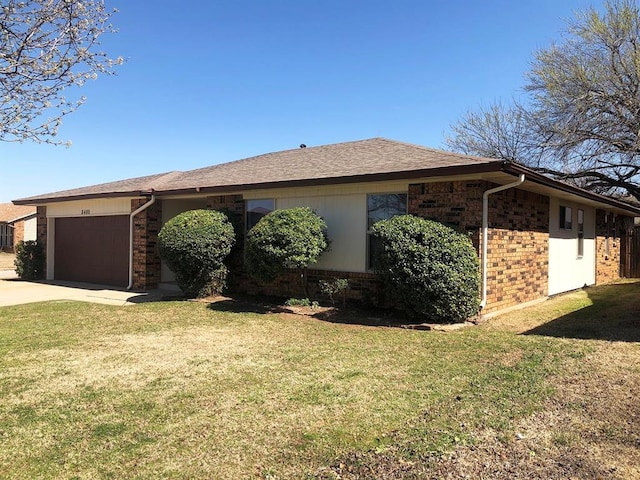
17,223
535,236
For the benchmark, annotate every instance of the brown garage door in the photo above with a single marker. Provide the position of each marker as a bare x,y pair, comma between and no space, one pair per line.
92,249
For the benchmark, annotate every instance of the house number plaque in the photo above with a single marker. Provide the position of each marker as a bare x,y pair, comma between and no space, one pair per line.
85,212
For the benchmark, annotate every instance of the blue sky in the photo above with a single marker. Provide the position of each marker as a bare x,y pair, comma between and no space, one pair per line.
207,82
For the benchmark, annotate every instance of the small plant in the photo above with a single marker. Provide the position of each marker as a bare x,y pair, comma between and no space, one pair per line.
338,286
301,302
29,260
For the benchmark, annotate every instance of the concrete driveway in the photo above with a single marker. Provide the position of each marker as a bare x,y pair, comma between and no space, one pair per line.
14,291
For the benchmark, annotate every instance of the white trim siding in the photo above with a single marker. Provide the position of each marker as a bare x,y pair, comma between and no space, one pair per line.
30,229
346,219
90,208
567,269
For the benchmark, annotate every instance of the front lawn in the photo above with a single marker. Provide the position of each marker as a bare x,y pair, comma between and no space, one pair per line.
185,390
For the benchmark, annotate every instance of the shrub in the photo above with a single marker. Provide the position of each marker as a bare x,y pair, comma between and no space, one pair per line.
194,245
29,260
427,268
290,238
338,286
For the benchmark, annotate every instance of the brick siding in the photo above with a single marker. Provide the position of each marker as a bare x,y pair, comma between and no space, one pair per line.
457,204
518,252
233,207
611,229
518,248
363,287
146,261
18,232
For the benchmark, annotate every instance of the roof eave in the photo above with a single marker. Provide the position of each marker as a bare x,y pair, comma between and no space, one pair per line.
89,196
533,176
22,217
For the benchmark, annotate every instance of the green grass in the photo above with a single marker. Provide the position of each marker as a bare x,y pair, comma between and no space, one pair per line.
179,390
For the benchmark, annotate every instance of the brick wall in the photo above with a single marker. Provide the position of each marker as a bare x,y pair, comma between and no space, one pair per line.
518,236
457,204
227,203
233,207
146,261
611,231
518,248
18,232
41,233
518,243
363,287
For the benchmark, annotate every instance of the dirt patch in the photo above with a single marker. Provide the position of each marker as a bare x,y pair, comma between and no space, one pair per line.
352,314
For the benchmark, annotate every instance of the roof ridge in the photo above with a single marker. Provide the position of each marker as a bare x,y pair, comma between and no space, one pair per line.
163,178
254,157
440,151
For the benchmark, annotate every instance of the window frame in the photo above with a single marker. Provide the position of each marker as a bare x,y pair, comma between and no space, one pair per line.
565,218
580,222
609,219
369,259
247,212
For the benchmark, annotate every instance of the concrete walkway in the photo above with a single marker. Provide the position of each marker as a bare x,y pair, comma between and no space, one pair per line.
14,291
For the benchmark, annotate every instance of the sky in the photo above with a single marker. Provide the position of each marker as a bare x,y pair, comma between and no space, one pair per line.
207,82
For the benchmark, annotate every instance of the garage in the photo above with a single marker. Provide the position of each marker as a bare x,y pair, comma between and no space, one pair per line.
92,249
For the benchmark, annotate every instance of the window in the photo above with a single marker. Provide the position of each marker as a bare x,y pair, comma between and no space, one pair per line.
580,233
6,235
608,220
382,207
256,209
565,218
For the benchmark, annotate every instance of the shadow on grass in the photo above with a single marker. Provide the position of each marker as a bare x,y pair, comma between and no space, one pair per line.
351,315
241,304
614,315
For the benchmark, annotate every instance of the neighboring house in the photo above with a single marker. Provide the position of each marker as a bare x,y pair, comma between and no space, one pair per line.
536,237
17,223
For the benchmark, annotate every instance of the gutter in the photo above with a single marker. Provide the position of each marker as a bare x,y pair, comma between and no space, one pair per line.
485,231
131,217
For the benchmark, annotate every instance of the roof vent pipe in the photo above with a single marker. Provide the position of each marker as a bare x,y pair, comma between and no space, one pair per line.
485,231
131,216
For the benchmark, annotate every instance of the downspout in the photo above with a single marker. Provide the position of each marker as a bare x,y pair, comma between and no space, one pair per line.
485,231
131,216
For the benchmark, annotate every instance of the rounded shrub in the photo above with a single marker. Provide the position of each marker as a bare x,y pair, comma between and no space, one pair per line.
194,245
428,269
29,260
289,238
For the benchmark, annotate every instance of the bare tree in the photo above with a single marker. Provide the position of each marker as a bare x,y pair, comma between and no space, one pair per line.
497,131
583,113
587,91
47,46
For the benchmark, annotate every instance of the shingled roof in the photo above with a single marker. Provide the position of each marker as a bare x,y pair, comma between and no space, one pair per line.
363,160
10,212
374,159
